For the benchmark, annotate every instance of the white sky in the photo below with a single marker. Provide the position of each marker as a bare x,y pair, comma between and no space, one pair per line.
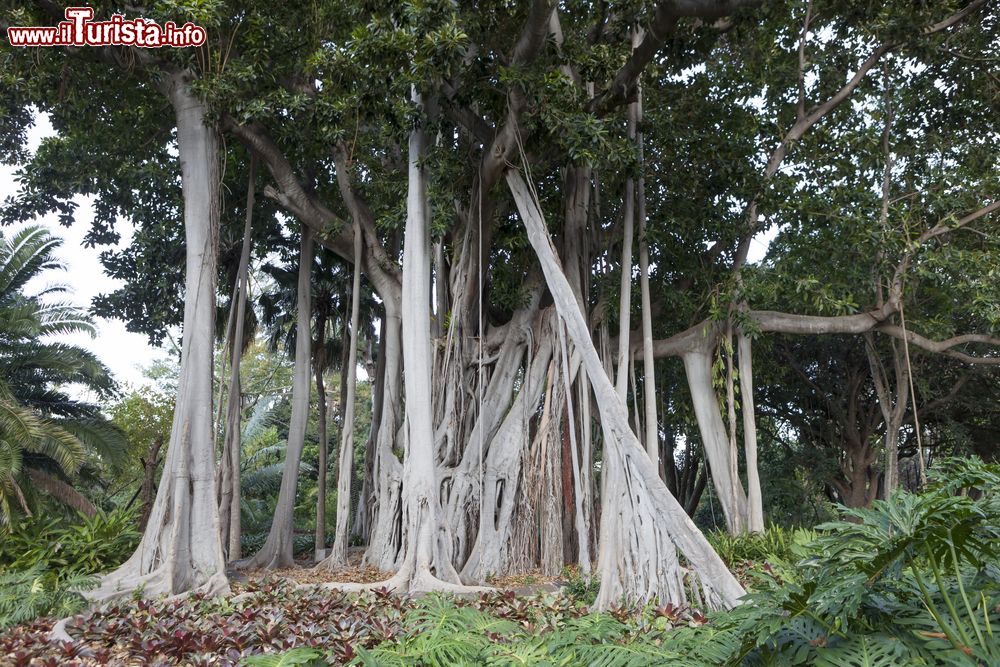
123,352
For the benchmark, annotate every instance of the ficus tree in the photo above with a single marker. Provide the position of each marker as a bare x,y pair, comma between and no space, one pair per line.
487,171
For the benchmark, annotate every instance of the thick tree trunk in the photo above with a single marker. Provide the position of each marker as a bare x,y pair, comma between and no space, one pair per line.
385,547
279,547
345,470
424,545
181,548
496,549
642,525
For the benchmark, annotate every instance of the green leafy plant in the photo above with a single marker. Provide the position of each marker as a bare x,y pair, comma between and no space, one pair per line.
35,592
912,580
296,657
87,546
580,586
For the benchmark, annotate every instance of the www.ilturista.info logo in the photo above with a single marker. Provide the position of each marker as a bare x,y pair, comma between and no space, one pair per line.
79,30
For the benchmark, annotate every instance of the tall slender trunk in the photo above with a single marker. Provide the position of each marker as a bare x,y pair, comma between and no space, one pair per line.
652,437
625,296
229,509
279,547
384,546
338,554
319,545
642,525
181,549
893,411
361,525
755,503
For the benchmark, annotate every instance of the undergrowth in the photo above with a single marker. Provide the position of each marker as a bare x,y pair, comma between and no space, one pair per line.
913,580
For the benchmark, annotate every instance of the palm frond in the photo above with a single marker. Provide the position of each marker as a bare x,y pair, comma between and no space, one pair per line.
59,445
101,436
24,255
18,424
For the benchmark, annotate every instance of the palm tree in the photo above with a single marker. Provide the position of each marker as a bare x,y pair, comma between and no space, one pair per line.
45,433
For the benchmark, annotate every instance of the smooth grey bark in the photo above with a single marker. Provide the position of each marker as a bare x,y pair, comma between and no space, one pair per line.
755,503
424,559
384,547
322,464
181,549
278,549
229,507
642,525
715,439
625,295
338,553
652,438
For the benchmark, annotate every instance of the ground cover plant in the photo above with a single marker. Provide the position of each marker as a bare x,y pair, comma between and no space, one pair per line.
913,580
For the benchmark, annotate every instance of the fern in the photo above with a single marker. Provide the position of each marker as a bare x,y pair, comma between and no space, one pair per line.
31,593
297,657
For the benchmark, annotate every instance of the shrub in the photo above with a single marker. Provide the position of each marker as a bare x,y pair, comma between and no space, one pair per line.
44,563
35,592
89,546
774,544
912,580
578,586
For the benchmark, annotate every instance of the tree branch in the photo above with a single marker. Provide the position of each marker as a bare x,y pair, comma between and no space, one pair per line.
944,346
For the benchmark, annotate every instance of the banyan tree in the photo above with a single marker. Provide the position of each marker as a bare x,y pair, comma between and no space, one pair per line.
546,201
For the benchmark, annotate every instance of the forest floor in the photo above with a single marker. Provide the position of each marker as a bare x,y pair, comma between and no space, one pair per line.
267,613
356,572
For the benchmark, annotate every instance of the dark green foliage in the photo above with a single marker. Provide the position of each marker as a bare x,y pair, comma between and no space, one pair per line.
754,551
913,580
43,428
